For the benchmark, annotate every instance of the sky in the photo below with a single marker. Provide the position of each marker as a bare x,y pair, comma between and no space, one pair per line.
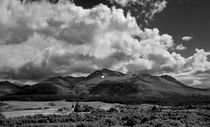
40,39
186,18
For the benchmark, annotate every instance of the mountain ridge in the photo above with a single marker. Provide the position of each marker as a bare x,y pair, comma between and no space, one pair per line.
106,83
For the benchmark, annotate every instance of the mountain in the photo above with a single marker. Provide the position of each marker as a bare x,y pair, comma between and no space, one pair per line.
141,85
69,85
104,73
202,86
110,84
9,88
55,85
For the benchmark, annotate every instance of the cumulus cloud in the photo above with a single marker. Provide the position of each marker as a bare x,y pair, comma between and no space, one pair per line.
201,79
187,38
196,68
124,2
40,40
159,4
45,40
198,63
142,10
196,82
180,47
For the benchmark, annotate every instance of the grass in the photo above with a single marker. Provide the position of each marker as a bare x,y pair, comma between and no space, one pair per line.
143,115
12,109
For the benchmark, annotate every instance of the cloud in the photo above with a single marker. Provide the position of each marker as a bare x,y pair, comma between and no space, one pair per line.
126,2
196,82
201,79
198,63
142,10
195,68
40,40
187,38
180,47
159,4
49,40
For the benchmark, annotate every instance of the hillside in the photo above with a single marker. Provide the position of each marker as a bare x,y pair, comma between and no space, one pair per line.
110,84
202,86
7,88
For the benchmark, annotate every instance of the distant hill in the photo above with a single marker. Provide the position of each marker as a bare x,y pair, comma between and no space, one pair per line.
7,88
110,84
202,86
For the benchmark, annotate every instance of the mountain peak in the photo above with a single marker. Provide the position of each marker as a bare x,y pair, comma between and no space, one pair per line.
104,73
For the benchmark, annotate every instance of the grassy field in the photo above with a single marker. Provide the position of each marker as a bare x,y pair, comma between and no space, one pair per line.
25,108
48,114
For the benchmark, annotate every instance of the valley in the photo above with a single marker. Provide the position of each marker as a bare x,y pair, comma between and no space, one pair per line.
104,98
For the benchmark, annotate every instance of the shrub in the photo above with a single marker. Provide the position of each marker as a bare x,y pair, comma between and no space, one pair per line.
113,110
144,120
110,122
152,117
77,108
131,122
154,108
81,125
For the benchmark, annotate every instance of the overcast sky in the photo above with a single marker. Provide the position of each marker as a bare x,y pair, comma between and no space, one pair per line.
40,40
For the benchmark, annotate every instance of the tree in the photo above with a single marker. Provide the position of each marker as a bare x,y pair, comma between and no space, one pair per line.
154,108
77,107
131,122
113,110
144,120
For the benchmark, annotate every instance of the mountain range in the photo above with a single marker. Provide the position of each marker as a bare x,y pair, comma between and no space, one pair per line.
109,84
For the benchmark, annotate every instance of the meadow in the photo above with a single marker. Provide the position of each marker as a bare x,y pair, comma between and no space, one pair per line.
99,114
12,109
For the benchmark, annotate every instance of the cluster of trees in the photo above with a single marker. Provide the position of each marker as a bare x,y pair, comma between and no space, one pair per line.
82,108
47,97
122,100
130,115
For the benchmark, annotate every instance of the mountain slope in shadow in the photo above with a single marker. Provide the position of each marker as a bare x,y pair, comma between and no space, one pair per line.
7,88
109,84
